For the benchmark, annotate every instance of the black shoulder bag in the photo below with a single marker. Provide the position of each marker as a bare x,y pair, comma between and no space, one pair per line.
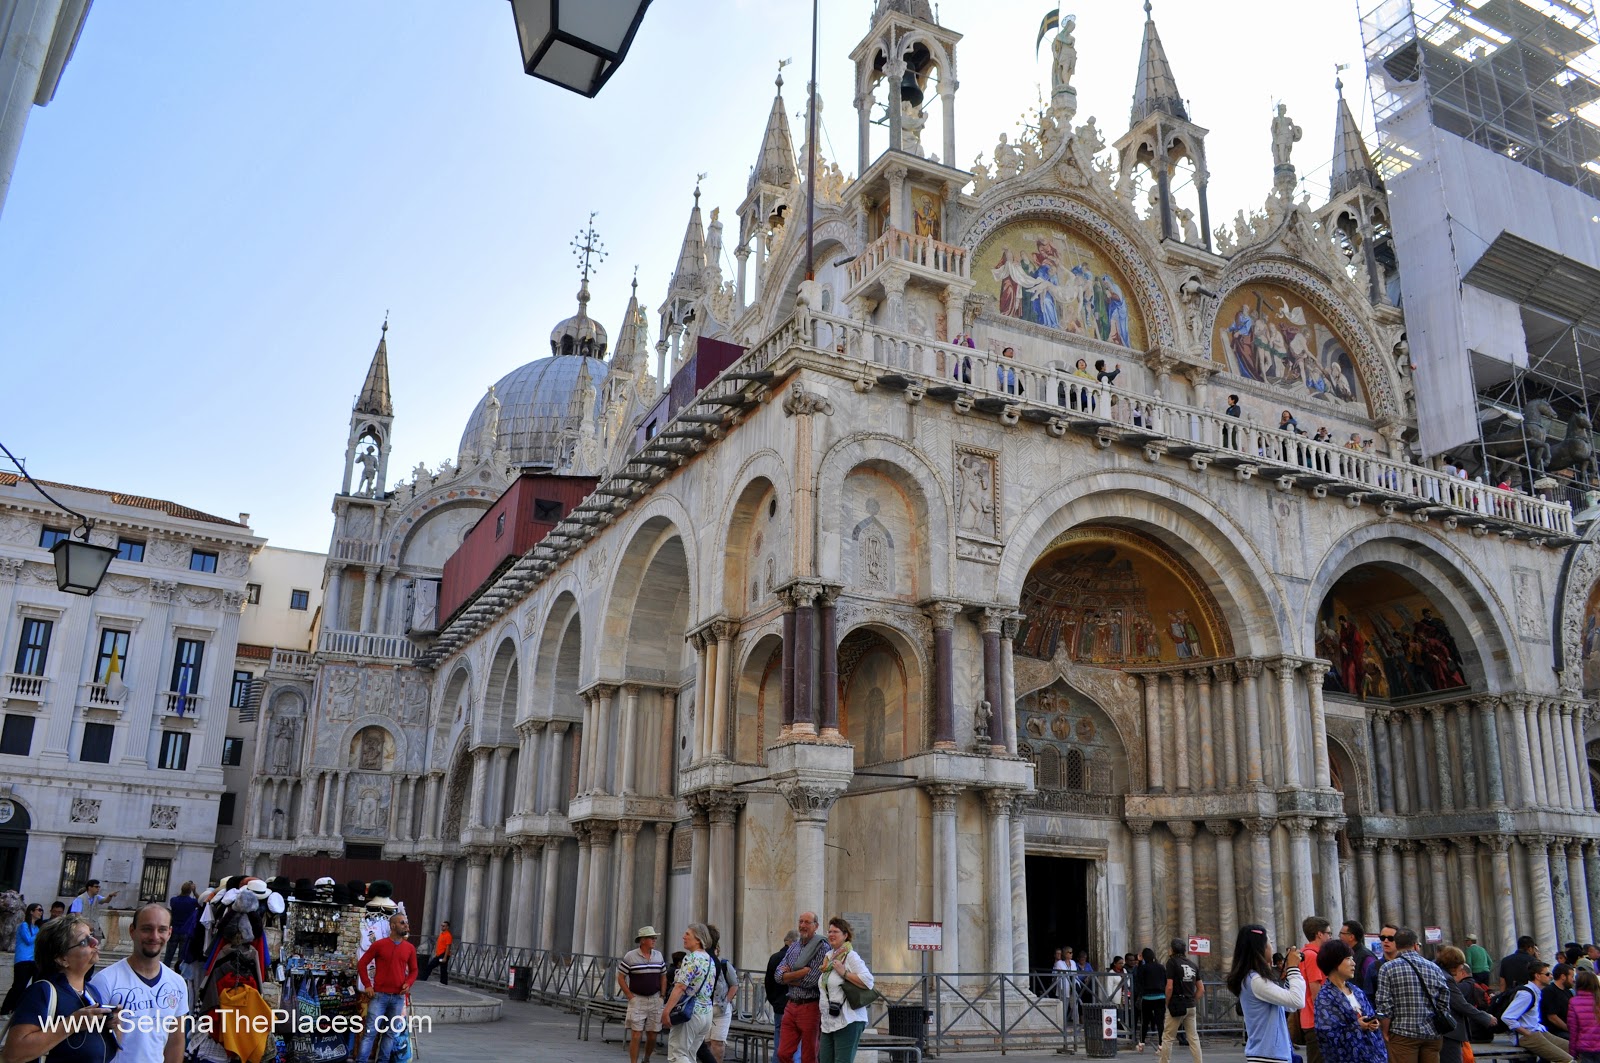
1443,1021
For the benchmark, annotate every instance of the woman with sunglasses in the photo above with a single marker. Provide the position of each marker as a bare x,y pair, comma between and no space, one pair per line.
80,1025
23,968
1264,1000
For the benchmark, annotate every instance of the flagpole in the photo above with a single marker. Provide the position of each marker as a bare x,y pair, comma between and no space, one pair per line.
811,152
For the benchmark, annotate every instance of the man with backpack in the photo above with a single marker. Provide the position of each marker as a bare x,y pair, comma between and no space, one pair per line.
1184,989
1521,1014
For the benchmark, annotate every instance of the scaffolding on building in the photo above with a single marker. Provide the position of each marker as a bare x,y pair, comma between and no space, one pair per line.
1520,78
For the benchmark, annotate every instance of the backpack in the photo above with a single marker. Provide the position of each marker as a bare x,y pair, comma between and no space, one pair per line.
1498,1004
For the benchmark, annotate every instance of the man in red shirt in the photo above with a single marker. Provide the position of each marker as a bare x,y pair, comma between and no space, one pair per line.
1318,931
394,962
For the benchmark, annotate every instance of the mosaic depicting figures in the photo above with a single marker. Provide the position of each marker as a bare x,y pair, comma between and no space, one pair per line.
1591,641
1050,276
1268,333
1386,640
1114,599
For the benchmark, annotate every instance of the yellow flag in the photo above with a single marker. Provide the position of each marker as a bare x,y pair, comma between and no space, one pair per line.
116,689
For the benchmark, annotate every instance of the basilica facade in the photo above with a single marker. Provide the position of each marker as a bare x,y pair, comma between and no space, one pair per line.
978,579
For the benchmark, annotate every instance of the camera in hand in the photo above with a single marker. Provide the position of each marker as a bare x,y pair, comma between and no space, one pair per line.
834,1008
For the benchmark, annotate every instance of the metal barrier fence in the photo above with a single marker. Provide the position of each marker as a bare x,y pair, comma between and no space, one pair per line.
967,1012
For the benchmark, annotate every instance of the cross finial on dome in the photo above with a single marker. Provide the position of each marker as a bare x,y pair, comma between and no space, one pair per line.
590,253
1338,82
697,179
781,64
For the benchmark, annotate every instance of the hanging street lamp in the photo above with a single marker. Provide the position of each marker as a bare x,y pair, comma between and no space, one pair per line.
577,44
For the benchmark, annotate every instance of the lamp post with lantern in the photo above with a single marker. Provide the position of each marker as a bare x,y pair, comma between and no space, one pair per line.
577,44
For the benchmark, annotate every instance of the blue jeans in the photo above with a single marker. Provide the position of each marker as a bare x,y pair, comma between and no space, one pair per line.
382,1014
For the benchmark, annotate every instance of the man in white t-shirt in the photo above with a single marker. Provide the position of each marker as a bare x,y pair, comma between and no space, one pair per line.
152,997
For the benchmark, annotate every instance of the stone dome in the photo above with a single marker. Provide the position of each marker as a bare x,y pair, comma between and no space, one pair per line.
537,419
580,333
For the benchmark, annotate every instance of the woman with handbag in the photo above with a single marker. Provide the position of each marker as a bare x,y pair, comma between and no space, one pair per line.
1470,1019
1347,1028
846,987
687,1012
1583,1018
1264,1001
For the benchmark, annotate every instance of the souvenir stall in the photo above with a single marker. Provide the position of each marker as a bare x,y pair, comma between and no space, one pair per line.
320,945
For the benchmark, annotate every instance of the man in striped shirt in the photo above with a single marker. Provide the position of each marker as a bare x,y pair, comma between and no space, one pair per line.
640,976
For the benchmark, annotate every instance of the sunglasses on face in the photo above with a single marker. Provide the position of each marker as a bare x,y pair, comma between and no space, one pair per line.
89,942
1385,937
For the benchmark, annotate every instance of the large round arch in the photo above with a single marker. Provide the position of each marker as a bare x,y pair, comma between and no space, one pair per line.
889,521
882,695
647,616
755,535
501,695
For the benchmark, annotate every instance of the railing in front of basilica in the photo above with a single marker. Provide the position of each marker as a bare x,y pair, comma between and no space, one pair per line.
896,245
368,644
1074,802
360,550
1155,421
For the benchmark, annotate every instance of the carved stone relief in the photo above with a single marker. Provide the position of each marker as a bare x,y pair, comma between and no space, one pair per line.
163,817
85,810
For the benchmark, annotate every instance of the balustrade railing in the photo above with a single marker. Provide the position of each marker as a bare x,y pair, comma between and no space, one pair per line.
359,550
896,245
368,644
1146,418
295,662
172,701
95,696
25,687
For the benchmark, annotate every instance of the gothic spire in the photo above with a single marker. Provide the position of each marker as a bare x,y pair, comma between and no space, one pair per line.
1156,88
629,351
692,257
1352,164
775,162
374,397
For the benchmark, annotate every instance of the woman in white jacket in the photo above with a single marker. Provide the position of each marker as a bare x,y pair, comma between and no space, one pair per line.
842,1025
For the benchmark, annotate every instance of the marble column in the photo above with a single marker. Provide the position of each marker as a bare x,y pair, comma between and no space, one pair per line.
699,856
627,840
1320,765
1176,711
600,880
946,873
1528,770
1572,746
1505,918
1261,871
810,805
1383,760
989,621
1591,868
492,932
704,673
998,877
1152,729
943,615
1331,904
1367,860
1008,701
1580,758
1426,794
1143,915
1557,786
529,859
1561,889
788,660
1227,888
1019,871
478,796
805,706
723,813
1578,884
1303,896
1471,903
1289,723
1493,766
1183,847
663,866
600,781
581,894
447,884
473,914
1405,800
1411,892
1203,710
584,743
1470,797
722,631
828,660
500,769
430,897
1249,669
1440,899
551,867
1230,732
555,781
628,736
1537,849
1444,769
1389,879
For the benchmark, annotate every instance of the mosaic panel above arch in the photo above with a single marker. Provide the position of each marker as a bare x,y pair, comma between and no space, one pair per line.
1589,646
1047,273
1045,209
1372,374
1113,598
1272,334
1387,639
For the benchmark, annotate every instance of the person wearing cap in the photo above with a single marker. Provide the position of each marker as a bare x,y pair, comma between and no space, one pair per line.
640,976
441,954
1478,961
1184,990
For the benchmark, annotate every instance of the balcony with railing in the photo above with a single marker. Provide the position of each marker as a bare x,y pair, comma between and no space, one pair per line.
368,644
23,687
925,254
1015,390
171,701
361,551
293,662
95,698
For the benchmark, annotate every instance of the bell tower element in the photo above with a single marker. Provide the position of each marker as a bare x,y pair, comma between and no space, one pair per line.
366,455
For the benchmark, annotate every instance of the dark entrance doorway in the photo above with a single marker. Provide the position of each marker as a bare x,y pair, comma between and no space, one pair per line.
1058,908
14,824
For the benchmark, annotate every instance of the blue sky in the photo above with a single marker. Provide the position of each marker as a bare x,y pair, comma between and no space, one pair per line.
207,225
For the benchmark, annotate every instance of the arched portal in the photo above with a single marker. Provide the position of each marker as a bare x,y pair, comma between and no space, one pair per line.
14,825
875,699
1387,638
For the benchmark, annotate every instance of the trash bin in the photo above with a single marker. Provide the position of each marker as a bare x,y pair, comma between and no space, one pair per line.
521,979
910,1020
1099,1030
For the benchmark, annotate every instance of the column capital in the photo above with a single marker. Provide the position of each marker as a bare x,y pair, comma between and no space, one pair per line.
1299,826
1367,845
1331,827
581,832
1222,828
557,727
601,831
1011,624
1467,845
1260,826
809,799
1224,672
1574,848
990,618
800,592
1316,669
478,859
1201,675
629,828
998,800
943,796
663,830
1182,829
601,690
1248,667
1488,702
723,630
1498,843
1436,847
1139,826
1285,666
942,612
1437,712
723,807
431,865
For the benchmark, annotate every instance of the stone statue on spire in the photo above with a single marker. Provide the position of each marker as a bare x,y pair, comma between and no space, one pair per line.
1284,136
1063,97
